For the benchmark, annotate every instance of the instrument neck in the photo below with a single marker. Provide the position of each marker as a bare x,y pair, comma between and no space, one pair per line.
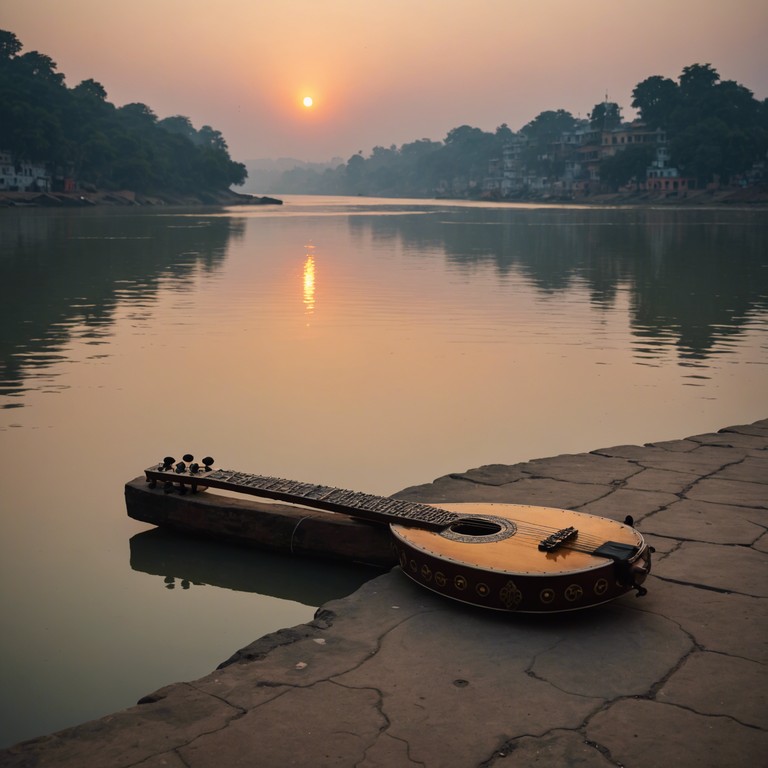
376,509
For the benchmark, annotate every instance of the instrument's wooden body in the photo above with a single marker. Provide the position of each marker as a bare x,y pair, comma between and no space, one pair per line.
509,572
507,557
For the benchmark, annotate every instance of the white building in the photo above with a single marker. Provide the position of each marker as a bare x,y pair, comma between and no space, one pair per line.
16,176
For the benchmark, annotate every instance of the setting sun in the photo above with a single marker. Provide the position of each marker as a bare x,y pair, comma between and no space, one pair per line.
308,101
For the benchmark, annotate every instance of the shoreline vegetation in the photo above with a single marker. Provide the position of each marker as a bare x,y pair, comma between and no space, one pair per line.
699,141
86,199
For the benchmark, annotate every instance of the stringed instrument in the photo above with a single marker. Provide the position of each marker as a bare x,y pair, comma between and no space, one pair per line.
507,557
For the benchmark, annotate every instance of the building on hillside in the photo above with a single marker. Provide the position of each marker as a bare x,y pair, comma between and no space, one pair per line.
662,177
492,182
569,166
571,154
630,135
22,176
512,166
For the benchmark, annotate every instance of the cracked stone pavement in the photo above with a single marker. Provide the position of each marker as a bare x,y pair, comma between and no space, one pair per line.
396,676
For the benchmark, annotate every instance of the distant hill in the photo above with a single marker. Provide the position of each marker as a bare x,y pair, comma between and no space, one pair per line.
265,174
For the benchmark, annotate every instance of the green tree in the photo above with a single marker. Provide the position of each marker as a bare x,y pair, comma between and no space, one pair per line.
655,98
10,45
182,126
717,129
78,131
41,67
548,126
629,165
697,80
544,132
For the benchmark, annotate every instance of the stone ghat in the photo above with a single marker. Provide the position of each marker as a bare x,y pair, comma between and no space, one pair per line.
396,676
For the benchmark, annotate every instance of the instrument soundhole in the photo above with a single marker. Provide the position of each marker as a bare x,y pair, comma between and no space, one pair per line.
479,530
475,528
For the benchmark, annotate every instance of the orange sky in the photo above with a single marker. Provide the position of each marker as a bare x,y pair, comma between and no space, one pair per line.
385,72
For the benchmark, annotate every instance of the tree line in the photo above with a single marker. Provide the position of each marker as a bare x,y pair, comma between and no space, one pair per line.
714,130
76,132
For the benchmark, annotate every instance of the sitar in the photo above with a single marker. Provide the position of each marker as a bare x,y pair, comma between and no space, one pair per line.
506,557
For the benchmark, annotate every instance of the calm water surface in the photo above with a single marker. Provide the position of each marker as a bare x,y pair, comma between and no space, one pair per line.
368,344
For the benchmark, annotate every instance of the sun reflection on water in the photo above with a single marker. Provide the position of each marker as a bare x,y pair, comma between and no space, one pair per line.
309,282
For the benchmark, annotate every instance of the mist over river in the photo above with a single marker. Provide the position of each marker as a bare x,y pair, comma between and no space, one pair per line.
361,343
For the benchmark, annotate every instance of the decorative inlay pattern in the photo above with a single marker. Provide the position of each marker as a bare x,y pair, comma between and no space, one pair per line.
573,593
510,595
547,595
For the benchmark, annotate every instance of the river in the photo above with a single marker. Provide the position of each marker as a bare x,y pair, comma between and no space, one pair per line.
362,343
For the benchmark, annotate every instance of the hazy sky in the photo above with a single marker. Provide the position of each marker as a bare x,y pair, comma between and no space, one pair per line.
384,72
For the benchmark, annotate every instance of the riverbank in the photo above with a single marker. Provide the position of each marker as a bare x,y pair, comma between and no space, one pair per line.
748,197
753,197
85,199
394,675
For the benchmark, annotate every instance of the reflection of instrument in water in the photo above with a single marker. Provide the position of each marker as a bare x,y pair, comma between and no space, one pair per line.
186,561
507,557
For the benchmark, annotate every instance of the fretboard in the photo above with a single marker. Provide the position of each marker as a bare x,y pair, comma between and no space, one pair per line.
379,509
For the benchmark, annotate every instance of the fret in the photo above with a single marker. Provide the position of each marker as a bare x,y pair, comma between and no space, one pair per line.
320,493
363,505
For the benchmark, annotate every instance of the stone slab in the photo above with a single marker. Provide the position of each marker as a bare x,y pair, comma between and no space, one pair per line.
702,461
706,522
741,570
541,492
735,492
581,468
638,732
721,622
324,725
661,480
554,749
618,503
716,684
754,469
169,719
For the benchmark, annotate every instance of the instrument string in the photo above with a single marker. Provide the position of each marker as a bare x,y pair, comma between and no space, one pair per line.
358,502
532,533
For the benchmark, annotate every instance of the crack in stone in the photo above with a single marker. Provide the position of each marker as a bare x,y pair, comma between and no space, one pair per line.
384,730
719,590
697,648
604,751
242,711
510,745
659,684
201,734
660,556
709,715
650,694
505,750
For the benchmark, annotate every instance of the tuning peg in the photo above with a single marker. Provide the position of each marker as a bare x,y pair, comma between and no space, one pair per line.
208,462
194,468
180,468
188,457
168,462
